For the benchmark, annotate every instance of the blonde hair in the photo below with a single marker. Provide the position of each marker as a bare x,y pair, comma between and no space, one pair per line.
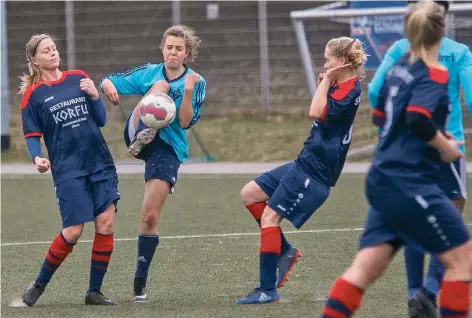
424,27
34,71
351,49
192,42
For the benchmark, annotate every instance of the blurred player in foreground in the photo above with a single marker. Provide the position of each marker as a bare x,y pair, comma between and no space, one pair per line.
406,203
295,190
457,58
66,108
163,151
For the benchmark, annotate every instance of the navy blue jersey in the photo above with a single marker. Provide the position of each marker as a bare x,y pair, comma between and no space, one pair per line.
324,152
410,88
66,117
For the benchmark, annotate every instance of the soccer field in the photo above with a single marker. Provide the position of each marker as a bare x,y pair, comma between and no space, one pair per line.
208,255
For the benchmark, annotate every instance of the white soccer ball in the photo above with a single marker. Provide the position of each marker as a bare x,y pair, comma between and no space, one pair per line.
157,110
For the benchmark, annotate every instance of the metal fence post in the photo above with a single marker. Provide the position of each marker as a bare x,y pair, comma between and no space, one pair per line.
176,18
5,99
70,34
305,55
264,55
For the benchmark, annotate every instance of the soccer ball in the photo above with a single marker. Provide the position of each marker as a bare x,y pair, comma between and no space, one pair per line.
157,110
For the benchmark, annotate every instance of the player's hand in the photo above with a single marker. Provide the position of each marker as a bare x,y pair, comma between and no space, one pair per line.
333,74
42,164
110,92
87,85
190,81
448,135
452,152
320,78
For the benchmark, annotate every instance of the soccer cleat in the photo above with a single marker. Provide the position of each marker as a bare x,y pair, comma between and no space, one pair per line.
259,296
139,290
287,262
142,138
421,306
97,298
141,297
32,294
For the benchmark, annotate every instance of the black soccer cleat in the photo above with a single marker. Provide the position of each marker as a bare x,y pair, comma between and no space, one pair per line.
97,298
32,294
421,306
139,291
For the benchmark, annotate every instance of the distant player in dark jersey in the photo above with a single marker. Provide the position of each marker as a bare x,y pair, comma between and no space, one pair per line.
162,151
294,191
457,57
406,204
66,109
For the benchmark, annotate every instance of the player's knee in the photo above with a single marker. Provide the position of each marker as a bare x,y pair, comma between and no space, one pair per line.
104,225
149,218
459,204
269,218
161,86
73,233
458,260
252,193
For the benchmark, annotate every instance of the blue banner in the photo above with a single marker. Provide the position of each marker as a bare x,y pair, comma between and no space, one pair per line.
378,33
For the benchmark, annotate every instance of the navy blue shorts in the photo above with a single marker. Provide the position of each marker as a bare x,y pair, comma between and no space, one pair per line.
293,194
82,199
453,179
160,158
426,220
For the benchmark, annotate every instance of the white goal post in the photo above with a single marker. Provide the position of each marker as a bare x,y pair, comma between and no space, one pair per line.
333,11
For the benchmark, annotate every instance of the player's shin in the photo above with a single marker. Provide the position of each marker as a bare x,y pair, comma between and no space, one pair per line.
434,277
256,209
101,253
147,245
414,265
343,300
57,253
454,299
270,248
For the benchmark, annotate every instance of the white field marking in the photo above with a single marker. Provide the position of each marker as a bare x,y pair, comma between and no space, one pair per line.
180,237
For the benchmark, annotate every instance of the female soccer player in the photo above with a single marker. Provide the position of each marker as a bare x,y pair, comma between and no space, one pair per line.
407,206
457,58
165,150
295,190
66,108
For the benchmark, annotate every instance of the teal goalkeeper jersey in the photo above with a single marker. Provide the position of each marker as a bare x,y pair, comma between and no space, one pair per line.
456,57
139,80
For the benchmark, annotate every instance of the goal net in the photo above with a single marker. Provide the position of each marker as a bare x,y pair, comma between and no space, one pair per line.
378,24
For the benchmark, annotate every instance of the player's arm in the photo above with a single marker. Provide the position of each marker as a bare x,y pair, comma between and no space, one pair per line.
127,83
98,111
392,55
424,100
319,102
198,98
338,102
465,77
192,101
378,113
32,131
97,108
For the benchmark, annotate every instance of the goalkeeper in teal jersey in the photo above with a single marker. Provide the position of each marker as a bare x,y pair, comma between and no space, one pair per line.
457,58
163,151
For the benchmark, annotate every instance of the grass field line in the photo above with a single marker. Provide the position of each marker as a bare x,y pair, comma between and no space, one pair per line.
182,237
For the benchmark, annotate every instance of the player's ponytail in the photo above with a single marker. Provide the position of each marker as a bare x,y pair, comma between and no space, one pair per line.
351,50
424,27
34,73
